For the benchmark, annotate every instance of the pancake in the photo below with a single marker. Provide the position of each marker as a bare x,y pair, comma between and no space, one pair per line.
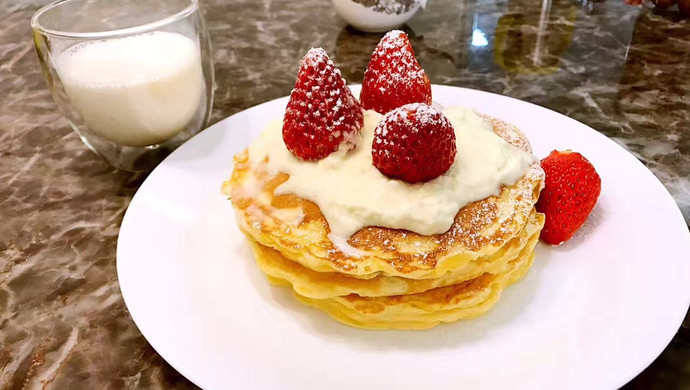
465,300
297,229
321,285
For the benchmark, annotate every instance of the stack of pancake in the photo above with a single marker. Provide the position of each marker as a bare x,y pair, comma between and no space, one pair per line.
383,278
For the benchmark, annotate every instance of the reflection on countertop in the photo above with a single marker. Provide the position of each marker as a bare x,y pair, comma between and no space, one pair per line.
623,70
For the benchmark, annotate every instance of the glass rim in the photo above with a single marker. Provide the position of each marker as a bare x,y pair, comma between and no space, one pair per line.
36,26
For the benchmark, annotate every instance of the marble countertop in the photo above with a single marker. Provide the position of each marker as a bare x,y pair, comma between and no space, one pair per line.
620,69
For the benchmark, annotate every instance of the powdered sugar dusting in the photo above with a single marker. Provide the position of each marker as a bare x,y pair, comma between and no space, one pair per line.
424,114
414,142
322,110
510,133
394,77
478,225
405,68
390,6
351,193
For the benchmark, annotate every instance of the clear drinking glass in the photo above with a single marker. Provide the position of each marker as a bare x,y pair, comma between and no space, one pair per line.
134,78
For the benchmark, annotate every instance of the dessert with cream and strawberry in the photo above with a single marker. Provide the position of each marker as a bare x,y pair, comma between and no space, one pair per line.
383,211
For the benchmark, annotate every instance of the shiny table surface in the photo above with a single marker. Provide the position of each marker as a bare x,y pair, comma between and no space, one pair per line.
623,70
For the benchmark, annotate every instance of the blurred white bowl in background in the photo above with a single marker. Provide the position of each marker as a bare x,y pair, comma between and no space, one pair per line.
377,15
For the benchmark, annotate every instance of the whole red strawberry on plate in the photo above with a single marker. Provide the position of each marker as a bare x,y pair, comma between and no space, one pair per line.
415,143
322,114
394,77
571,190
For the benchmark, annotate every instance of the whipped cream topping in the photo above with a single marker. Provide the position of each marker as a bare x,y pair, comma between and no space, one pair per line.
353,194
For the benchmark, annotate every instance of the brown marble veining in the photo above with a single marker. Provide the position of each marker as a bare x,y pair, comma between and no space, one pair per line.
622,70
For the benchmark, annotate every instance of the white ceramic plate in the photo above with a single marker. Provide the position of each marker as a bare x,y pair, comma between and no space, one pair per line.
590,314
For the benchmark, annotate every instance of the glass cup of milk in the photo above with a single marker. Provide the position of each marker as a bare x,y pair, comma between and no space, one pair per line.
133,77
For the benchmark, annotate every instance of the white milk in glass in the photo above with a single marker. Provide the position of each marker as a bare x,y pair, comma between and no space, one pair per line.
138,90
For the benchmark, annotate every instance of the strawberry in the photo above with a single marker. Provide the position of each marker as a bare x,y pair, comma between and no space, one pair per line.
570,192
322,114
394,77
414,143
